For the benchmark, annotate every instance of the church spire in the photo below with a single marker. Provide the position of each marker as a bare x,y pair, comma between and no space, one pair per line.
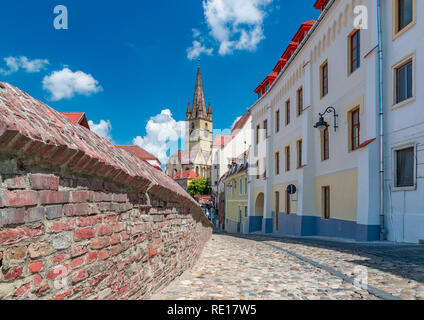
199,105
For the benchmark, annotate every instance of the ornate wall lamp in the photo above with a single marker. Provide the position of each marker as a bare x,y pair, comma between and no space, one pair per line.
322,124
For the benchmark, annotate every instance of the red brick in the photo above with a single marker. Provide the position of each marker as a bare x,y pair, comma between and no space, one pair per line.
104,254
114,218
16,183
63,295
1,256
104,230
115,239
23,290
115,250
44,182
118,227
84,234
90,221
35,267
77,262
92,256
80,196
100,243
37,280
10,236
78,251
81,275
81,209
21,198
42,291
59,258
58,271
54,197
62,226
14,273
17,253
152,252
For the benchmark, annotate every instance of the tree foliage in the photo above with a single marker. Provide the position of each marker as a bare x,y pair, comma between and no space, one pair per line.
198,187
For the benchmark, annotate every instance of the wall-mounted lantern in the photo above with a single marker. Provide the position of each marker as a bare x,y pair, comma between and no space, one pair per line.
322,124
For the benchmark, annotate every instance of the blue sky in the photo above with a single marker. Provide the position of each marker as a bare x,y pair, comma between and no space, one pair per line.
133,56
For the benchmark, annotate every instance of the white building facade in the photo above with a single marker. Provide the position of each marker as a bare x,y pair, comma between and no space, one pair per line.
331,69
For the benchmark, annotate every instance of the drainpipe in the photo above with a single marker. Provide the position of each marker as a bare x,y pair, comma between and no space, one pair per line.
383,230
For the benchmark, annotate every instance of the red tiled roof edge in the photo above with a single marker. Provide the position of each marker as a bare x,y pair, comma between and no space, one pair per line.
31,130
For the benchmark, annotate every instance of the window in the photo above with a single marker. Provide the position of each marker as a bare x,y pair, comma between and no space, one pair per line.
245,212
245,185
355,51
299,101
326,202
277,209
264,168
257,169
288,203
241,187
403,82
325,147
257,134
266,128
277,163
287,158
405,167
299,154
324,79
355,129
277,121
287,112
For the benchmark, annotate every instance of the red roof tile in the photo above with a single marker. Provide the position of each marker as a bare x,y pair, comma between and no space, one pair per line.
240,123
187,174
141,154
221,141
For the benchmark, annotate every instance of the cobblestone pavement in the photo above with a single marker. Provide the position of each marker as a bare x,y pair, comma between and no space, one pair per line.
258,267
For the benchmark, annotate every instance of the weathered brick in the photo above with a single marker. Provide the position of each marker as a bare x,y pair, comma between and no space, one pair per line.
80,196
81,209
35,214
16,253
39,249
80,275
11,236
37,280
60,226
59,258
100,243
15,183
115,239
35,267
84,234
42,291
13,273
78,251
21,198
77,262
54,197
91,256
90,221
104,230
12,216
62,296
53,212
57,272
104,254
23,290
43,182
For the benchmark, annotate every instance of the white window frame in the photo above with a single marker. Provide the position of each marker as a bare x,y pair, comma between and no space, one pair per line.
394,167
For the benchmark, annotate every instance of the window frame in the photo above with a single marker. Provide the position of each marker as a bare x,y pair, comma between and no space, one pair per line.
299,99
322,84
325,145
287,112
395,149
408,59
287,157
265,123
288,203
352,127
351,69
277,121
277,162
258,127
396,32
299,146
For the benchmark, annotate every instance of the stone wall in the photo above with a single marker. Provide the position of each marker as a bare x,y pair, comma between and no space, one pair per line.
82,219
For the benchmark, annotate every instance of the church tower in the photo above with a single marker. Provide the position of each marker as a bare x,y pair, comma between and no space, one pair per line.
199,120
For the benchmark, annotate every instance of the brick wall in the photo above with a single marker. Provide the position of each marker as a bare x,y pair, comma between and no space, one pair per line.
82,219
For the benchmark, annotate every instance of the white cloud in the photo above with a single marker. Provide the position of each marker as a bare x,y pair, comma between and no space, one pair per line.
102,129
64,84
235,24
161,131
197,49
16,63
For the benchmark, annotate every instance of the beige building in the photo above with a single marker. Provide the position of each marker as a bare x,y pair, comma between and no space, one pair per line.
198,145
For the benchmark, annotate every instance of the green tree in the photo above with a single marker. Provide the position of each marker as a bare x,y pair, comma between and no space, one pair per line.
198,187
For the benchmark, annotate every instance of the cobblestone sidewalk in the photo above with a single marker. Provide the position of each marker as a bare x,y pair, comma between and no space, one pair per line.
258,267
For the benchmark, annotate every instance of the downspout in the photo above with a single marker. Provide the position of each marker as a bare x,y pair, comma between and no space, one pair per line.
383,230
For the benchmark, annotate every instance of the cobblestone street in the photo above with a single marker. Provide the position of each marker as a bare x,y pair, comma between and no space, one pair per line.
258,267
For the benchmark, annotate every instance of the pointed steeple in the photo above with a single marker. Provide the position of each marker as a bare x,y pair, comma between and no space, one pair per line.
209,108
199,105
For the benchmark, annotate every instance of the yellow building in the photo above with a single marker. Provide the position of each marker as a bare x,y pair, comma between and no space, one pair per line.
236,195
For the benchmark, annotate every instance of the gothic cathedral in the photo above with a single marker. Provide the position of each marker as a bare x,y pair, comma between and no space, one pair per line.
196,160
